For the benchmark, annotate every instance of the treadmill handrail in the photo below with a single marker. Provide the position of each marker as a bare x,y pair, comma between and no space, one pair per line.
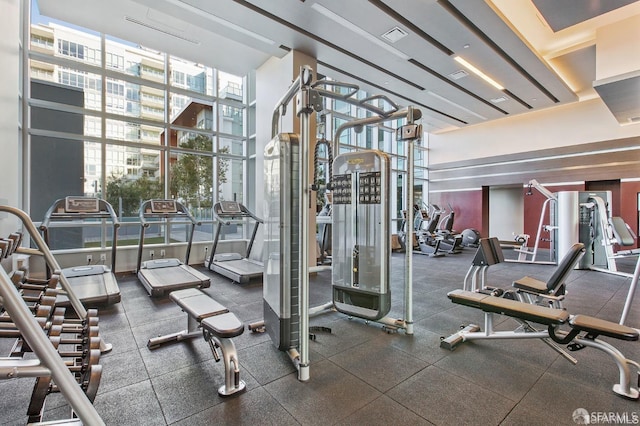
105,211
182,212
244,212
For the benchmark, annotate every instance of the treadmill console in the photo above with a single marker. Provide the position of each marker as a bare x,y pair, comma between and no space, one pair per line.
81,205
229,207
164,206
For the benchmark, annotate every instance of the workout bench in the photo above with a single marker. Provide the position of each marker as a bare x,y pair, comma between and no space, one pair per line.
553,319
218,326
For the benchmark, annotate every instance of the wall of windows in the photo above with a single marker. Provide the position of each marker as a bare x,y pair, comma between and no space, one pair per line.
154,125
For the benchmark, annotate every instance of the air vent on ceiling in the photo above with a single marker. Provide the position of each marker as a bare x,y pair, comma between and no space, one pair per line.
394,34
498,100
161,30
457,75
634,119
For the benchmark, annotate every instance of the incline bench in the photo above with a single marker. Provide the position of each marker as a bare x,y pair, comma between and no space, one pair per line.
552,318
218,326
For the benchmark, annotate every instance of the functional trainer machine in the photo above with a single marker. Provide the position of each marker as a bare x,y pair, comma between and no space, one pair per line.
160,276
286,254
93,284
240,268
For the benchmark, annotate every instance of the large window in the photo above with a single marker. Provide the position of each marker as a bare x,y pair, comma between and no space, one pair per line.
146,124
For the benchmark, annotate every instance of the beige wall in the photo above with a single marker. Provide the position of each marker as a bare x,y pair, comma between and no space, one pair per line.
273,79
565,125
9,105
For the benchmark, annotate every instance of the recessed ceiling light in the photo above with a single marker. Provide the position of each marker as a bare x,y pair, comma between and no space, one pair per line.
498,100
394,34
477,72
457,75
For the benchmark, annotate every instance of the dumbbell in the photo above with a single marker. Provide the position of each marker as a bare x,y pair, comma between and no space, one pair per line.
85,345
58,329
39,311
92,381
47,292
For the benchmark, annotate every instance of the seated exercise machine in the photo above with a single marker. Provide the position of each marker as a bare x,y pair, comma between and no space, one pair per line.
94,284
240,268
552,318
451,242
160,276
217,325
526,289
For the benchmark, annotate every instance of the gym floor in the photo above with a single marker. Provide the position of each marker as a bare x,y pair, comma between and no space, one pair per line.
360,375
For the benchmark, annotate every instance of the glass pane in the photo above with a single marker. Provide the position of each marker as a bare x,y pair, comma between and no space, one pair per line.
230,86
133,175
191,140
90,84
191,76
191,180
191,113
134,132
233,231
231,146
230,179
231,120
93,169
345,136
132,59
74,44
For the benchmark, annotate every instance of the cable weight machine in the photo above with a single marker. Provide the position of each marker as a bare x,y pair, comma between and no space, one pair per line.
288,193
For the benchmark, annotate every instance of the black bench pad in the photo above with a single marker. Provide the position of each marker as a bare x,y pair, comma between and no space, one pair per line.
225,325
197,304
531,284
512,308
603,327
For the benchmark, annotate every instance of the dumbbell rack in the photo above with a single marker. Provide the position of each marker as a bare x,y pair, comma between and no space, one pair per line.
67,350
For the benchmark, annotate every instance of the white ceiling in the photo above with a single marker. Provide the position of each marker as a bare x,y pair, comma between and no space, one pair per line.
509,40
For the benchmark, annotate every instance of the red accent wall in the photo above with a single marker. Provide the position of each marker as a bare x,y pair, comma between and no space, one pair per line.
467,206
629,205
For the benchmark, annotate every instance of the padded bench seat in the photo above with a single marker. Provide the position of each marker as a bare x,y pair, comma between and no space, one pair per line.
197,304
628,369
210,319
512,308
603,327
225,325
530,284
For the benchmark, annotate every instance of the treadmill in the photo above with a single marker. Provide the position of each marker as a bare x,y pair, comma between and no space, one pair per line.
161,276
94,284
240,268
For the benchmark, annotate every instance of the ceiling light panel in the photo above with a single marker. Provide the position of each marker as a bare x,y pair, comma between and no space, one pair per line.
457,75
477,72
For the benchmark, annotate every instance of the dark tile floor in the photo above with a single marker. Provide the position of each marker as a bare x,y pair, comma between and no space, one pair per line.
360,375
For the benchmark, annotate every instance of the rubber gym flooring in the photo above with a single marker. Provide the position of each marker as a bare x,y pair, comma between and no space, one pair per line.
360,375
